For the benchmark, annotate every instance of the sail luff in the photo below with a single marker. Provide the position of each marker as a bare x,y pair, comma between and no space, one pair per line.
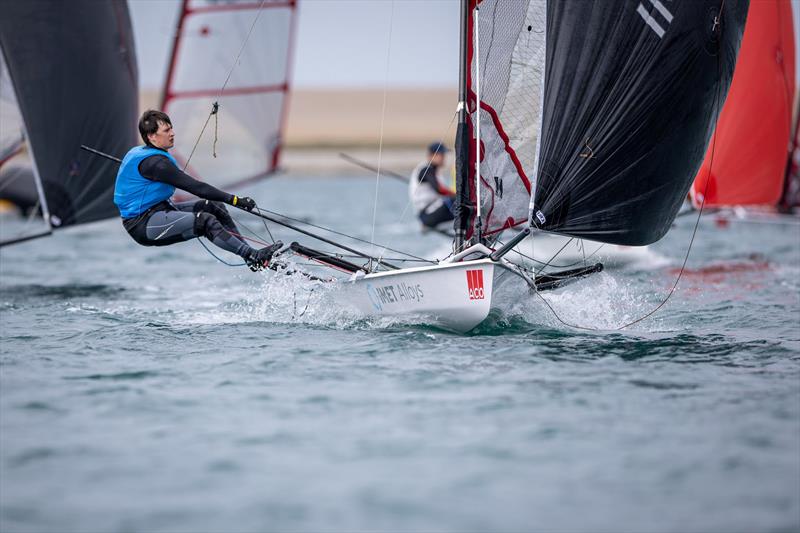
166,94
37,177
284,119
533,180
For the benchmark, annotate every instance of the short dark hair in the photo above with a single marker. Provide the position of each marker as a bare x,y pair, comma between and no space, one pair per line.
148,124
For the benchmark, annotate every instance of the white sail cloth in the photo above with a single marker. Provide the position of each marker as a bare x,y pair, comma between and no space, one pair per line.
511,59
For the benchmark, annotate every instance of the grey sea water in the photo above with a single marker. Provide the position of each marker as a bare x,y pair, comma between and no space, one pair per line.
148,389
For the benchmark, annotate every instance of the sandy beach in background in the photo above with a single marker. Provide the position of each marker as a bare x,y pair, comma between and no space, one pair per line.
325,122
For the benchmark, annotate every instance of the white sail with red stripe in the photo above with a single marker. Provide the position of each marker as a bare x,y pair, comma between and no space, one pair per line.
511,72
236,53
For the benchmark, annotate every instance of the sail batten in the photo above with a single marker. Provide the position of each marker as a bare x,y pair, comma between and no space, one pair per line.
237,54
236,91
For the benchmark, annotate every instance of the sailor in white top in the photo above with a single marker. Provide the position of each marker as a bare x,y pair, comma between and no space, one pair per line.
432,201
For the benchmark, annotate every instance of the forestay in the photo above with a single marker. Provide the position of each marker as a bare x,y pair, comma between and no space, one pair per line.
610,139
211,37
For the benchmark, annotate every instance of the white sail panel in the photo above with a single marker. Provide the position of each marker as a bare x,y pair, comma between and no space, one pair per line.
248,142
511,59
212,35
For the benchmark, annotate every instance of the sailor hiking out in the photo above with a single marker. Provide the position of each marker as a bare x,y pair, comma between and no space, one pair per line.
432,200
147,179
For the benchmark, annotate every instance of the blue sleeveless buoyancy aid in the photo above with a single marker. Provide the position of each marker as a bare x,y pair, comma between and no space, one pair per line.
133,193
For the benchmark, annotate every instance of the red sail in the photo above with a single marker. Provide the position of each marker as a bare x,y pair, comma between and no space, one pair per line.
754,129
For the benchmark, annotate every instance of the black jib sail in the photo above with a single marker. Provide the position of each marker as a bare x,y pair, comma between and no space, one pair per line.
73,70
600,110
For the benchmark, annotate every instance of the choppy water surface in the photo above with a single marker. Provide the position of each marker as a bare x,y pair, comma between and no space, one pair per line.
159,390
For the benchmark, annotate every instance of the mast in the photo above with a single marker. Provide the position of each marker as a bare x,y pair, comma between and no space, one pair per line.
462,201
476,25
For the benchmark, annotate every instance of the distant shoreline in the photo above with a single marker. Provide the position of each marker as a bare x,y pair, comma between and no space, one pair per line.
332,120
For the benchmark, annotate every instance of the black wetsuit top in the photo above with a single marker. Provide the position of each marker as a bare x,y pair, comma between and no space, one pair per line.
159,168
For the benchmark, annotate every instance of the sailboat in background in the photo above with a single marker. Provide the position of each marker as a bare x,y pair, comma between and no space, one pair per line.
254,100
12,136
756,126
17,183
72,67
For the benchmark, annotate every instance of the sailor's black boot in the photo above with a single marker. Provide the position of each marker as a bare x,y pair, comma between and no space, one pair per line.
259,259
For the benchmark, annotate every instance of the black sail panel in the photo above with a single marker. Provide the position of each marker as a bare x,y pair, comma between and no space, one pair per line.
632,93
73,67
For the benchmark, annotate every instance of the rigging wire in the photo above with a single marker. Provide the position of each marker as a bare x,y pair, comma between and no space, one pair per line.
556,254
550,261
407,254
383,119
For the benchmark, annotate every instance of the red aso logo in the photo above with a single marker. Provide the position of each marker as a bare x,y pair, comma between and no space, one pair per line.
475,284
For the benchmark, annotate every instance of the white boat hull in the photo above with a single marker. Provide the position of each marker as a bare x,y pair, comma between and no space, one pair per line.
455,296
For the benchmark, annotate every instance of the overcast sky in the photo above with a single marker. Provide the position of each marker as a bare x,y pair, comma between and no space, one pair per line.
340,43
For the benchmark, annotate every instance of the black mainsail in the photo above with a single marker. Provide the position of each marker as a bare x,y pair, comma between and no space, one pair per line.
600,112
73,69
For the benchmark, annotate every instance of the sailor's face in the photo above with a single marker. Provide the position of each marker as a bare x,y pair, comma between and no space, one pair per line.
164,138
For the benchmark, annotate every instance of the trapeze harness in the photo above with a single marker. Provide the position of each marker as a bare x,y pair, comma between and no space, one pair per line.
146,180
